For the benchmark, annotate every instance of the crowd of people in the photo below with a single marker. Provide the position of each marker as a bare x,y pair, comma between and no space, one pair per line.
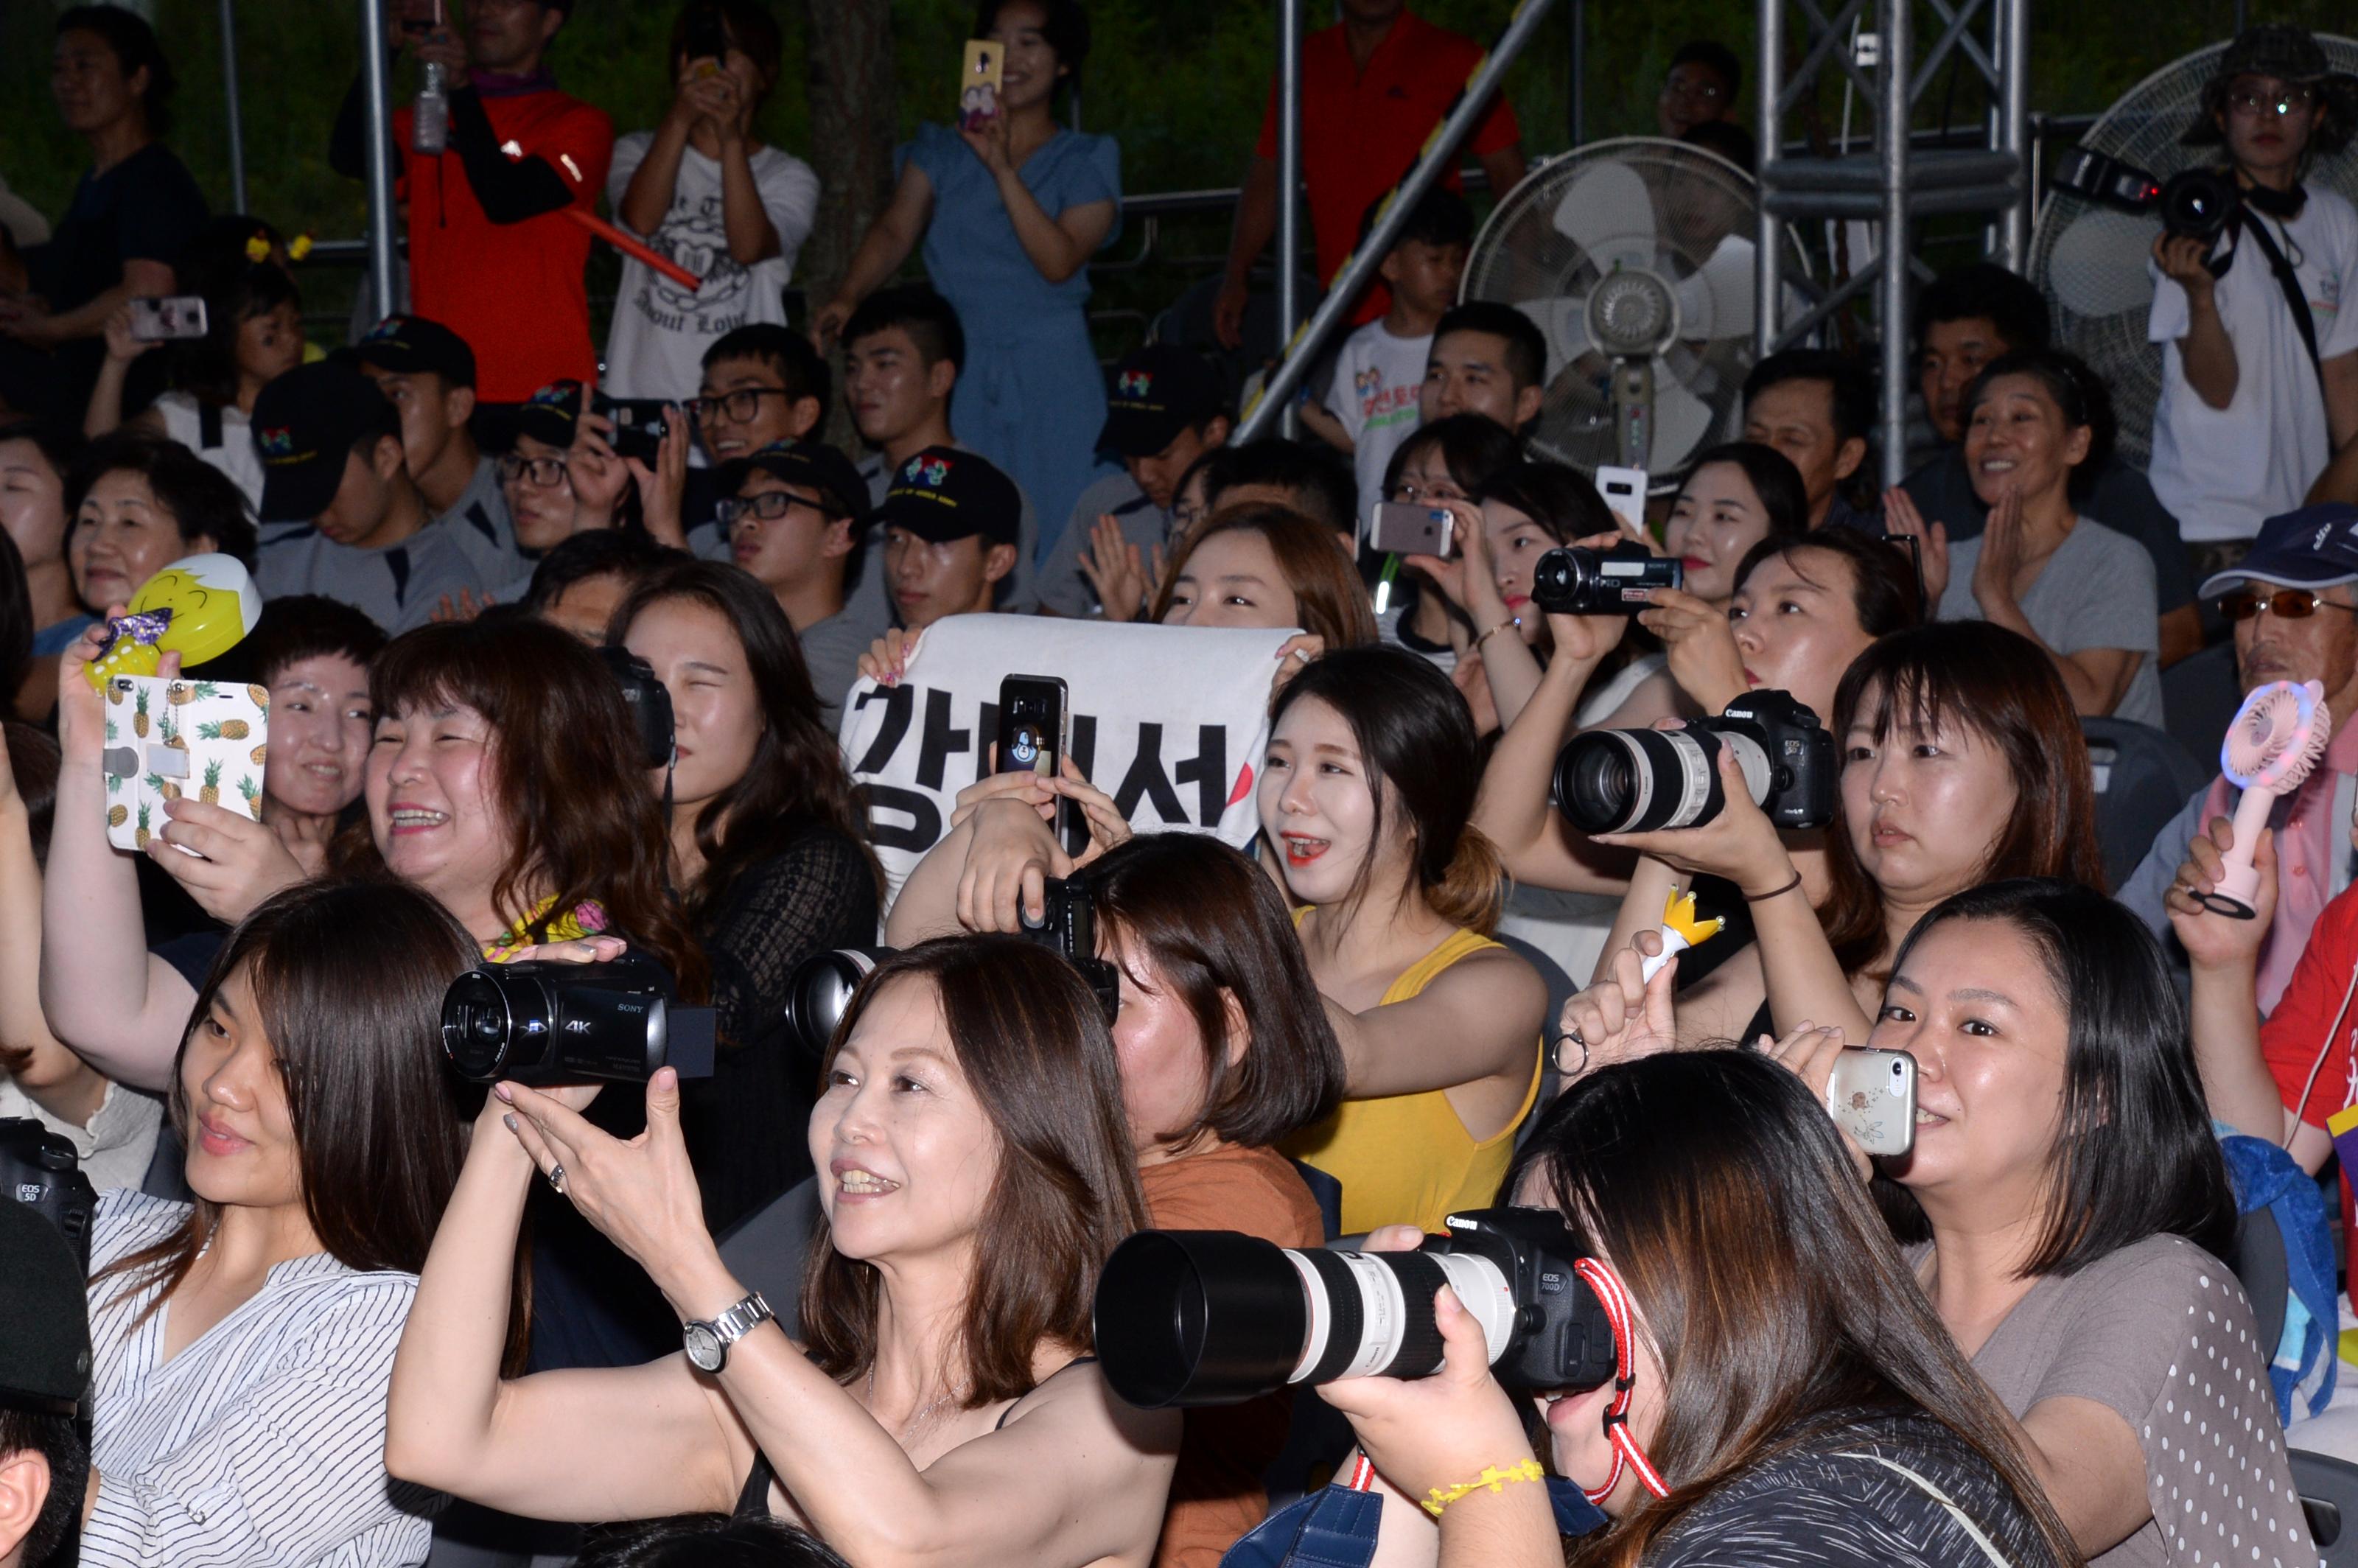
832,1301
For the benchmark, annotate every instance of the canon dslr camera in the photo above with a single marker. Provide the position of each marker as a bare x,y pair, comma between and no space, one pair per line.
1641,781
1619,579
40,1169
1214,1317
539,1021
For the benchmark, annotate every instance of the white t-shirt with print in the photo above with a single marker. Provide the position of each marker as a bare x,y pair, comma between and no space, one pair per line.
2223,470
1377,379
661,331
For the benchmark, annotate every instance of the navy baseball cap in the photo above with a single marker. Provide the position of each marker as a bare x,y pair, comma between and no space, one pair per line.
1158,392
941,494
407,344
814,465
2315,546
551,414
305,425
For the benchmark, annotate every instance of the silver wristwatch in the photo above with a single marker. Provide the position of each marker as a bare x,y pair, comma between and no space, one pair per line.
708,1343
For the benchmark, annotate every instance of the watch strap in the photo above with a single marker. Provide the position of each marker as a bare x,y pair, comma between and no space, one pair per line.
729,1326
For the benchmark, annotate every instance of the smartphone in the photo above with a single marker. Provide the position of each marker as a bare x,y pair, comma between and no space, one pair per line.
1624,491
162,321
1873,1096
419,18
706,38
640,424
170,740
1403,529
1034,733
979,82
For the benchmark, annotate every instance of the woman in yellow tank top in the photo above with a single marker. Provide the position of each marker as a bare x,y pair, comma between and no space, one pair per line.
1365,799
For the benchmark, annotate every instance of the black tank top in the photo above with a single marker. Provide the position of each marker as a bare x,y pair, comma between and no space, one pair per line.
753,1498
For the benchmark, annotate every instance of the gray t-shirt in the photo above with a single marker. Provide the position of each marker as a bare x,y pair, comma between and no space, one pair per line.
2160,1333
2095,592
399,586
868,602
478,520
832,650
1064,588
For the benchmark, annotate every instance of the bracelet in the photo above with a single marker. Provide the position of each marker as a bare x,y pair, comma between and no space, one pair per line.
1502,626
1491,1476
1773,892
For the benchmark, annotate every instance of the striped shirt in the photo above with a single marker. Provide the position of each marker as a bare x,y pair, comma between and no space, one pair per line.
263,1439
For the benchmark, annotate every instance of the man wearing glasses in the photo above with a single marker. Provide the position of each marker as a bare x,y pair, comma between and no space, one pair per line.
791,514
2259,355
2293,603
1699,88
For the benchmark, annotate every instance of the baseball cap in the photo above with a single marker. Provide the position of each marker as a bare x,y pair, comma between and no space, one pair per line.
1159,391
305,423
2315,546
406,344
812,464
45,1355
941,494
549,415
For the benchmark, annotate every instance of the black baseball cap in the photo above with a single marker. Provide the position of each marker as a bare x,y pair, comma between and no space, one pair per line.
814,465
943,493
44,1354
551,414
305,423
1158,392
407,344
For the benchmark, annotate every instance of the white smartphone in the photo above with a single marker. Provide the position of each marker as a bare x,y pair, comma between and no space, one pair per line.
1872,1095
1402,528
169,739
163,320
1624,491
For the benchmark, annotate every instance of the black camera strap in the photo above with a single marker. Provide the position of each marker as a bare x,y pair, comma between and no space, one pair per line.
2296,297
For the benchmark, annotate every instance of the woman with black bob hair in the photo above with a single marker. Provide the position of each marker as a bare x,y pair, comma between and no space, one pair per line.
1447,460
766,854
138,502
243,1342
1819,1417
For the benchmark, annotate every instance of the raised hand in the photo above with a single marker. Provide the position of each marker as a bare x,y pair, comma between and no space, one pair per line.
1621,1017
2213,940
1701,645
1115,569
1901,520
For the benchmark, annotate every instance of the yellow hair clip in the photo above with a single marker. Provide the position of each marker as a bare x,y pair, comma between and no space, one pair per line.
257,249
299,247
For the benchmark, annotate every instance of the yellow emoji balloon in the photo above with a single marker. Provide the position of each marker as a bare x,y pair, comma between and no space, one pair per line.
199,607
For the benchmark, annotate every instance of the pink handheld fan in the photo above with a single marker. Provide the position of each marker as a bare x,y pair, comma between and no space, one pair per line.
2277,737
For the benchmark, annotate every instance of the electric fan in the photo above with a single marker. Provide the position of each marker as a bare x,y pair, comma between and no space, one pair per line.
1635,258
2090,259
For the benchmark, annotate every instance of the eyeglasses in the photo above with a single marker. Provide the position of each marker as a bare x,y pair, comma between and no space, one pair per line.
541,473
2284,604
1409,495
2284,101
769,506
743,405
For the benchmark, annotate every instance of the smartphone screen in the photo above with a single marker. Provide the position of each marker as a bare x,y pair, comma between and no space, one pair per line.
167,318
1034,732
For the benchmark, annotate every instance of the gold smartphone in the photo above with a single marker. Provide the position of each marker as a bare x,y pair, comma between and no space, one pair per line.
979,82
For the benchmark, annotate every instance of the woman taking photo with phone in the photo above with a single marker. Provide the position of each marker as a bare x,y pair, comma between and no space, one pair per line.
242,1342
940,1404
1010,206
766,850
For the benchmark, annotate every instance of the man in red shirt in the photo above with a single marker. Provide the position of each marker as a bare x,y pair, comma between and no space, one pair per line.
1373,87
492,254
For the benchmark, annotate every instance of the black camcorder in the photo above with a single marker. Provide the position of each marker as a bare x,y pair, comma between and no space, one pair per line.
1620,580
2194,203
1214,1318
540,1022
823,985
1641,780
40,1170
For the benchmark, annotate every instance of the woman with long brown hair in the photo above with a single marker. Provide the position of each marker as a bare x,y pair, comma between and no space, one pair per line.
942,1406
1819,1417
1258,564
243,1342
766,850
1962,764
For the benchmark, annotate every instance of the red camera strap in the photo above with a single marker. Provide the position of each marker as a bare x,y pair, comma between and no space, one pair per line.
1608,1287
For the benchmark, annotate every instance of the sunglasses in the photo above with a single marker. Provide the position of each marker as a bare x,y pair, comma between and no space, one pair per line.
2284,604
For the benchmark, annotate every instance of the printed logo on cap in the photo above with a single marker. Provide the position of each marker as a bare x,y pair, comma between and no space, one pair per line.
1135,383
385,330
926,470
277,444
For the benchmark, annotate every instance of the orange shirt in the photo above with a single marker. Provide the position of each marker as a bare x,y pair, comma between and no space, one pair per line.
1215,1494
1360,130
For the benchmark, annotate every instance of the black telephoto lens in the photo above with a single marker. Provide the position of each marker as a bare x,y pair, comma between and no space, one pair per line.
1207,1317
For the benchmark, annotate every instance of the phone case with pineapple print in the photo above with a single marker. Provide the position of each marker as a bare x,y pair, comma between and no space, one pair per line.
173,740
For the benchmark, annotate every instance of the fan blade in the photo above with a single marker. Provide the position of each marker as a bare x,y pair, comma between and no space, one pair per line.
1716,299
1681,421
1563,321
1609,213
2097,266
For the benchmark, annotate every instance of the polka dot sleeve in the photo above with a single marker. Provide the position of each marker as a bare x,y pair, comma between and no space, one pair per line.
2162,1334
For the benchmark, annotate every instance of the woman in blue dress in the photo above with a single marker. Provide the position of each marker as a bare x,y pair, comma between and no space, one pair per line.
1011,212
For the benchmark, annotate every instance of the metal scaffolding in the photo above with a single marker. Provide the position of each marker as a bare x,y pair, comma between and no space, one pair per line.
1893,184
